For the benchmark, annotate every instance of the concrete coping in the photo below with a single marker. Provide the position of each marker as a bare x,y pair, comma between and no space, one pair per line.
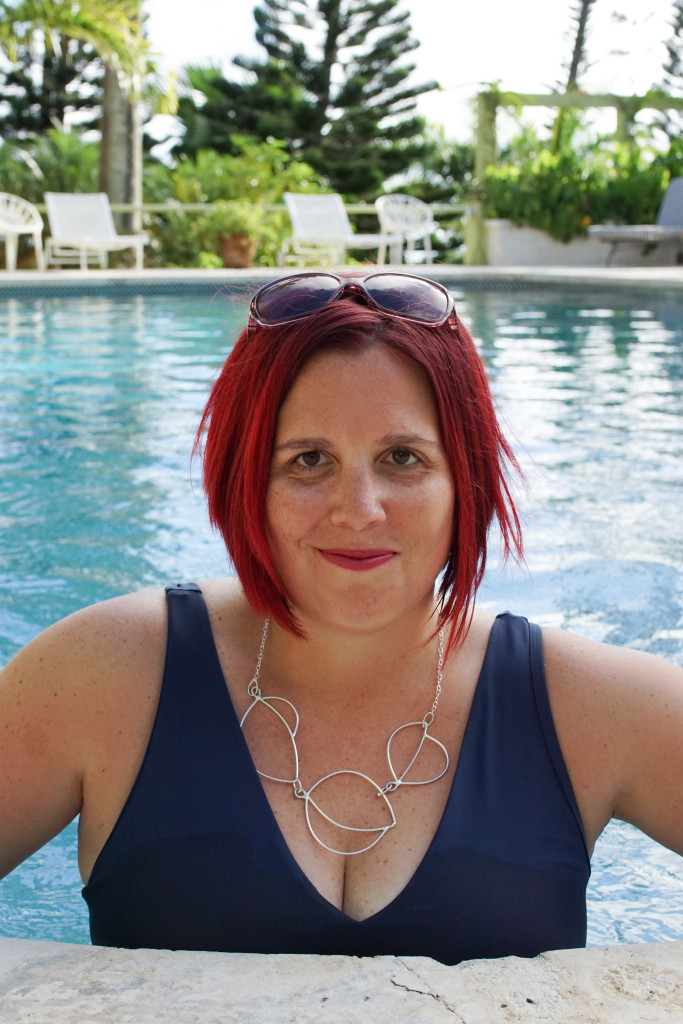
458,276
58,983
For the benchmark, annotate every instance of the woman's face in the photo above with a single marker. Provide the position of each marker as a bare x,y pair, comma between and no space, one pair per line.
360,498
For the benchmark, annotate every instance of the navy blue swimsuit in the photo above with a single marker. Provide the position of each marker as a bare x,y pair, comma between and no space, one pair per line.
196,859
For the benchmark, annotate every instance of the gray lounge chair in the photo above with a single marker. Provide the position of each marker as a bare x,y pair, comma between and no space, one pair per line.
668,226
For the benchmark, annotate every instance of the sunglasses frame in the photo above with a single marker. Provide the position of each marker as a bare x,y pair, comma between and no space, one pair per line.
352,285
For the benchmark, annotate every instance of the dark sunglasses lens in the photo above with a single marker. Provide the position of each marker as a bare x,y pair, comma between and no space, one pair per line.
294,297
409,296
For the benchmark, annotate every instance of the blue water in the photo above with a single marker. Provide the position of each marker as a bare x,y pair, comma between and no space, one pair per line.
99,400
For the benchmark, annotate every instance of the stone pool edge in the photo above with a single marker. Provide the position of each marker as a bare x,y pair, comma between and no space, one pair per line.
26,282
60,983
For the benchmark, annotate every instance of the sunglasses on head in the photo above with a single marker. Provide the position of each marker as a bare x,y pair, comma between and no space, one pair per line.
294,298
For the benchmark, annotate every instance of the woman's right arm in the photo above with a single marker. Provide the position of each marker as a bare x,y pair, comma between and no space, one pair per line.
83,688
40,753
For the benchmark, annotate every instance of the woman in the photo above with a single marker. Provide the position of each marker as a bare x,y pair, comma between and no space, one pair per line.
269,764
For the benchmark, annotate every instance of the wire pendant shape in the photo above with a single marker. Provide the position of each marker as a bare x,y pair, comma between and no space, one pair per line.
396,780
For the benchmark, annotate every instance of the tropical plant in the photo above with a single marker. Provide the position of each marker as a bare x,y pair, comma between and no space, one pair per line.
562,193
242,187
109,26
114,31
58,161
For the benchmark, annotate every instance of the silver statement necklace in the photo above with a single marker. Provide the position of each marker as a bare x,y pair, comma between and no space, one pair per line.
396,780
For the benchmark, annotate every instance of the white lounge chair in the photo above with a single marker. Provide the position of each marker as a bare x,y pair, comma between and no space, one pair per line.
321,231
82,230
19,217
668,226
409,217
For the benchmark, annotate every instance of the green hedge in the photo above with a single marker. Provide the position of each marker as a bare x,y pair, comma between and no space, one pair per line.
563,193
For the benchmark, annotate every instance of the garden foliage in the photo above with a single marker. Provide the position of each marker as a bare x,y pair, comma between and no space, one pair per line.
562,193
242,185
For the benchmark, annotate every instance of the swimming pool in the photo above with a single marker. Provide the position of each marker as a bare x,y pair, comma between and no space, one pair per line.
99,399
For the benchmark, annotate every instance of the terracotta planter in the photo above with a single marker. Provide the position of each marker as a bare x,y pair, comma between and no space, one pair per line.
237,250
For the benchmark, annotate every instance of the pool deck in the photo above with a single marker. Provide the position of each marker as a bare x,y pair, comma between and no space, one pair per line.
54,983
641,278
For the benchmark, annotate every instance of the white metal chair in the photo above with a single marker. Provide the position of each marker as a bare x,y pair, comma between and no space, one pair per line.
668,226
321,231
409,217
82,230
19,217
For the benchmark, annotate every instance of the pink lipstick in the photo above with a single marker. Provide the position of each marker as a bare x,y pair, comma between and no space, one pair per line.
357,561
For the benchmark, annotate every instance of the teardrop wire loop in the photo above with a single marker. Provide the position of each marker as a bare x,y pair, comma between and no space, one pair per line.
290,732
400,780
300,792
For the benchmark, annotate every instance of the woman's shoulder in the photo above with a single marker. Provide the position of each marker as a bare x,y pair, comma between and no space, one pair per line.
604,690
121,641
86,663
619,718
602,670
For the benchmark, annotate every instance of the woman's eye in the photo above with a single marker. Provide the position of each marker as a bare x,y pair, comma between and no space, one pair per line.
403,457
310,459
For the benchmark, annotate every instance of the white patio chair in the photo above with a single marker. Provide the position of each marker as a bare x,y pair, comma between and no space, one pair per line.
409,217
82,230
668,226
321,230
19,217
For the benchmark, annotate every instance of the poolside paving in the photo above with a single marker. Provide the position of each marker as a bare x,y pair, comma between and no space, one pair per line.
58,983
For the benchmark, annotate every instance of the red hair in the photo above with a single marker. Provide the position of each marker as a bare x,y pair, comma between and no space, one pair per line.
240,419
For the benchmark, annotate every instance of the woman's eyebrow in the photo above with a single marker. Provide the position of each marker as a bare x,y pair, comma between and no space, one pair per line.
409,439
305,443
389,440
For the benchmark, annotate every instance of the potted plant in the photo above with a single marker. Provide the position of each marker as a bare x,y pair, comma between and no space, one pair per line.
237,225
237,190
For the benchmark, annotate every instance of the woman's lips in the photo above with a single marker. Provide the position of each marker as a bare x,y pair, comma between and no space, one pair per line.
357,561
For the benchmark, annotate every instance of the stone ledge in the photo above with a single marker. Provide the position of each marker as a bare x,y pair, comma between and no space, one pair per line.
58,983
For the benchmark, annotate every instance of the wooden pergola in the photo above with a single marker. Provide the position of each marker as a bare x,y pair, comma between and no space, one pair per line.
485,147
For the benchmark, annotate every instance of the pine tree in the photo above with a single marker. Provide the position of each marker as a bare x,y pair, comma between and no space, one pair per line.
37,93
334,85
564,123
673,72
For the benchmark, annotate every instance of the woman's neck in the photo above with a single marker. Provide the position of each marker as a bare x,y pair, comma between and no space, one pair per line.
341,665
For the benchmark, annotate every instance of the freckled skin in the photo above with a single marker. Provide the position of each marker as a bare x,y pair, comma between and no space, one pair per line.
359,463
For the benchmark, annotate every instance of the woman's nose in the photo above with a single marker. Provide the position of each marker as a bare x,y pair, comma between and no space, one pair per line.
358,499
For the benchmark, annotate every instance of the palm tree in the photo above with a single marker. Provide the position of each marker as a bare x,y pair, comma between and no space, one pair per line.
110,26
114,29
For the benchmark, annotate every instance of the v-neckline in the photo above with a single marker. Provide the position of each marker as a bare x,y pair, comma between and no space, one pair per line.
278,835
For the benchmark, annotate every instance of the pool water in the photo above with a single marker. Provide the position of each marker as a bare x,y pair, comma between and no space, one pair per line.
99,400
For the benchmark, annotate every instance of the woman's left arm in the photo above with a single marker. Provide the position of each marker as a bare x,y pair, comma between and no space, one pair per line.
619,718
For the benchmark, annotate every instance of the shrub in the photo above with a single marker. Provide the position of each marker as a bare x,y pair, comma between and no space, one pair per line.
243,185
58,161
562,193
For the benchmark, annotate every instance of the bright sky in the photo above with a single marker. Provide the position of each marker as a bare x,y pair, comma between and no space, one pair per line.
463,44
